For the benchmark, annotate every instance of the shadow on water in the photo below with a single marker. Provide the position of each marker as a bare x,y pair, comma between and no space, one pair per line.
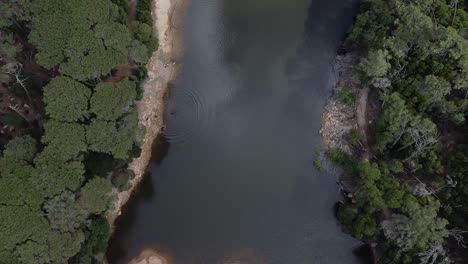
145,191
126,220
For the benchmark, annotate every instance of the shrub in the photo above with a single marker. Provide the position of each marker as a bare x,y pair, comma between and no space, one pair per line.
346,96
318,165
98,235
355,137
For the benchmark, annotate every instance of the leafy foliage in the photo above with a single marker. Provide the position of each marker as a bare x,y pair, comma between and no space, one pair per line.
20,223
416,57
44,207
110,102
346,97
62,213
420,229
94,196
53,176
21,148
66,99
66,139
97,235
105,137
81,37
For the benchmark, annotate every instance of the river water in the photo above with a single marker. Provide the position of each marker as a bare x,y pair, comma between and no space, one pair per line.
238,181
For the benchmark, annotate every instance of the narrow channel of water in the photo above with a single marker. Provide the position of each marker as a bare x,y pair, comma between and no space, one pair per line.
238,182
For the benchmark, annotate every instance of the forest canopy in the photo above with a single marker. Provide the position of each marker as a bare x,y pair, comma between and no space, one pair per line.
410,198
58,61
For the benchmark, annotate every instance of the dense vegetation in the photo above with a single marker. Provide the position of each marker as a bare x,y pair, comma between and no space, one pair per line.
69,123
411,198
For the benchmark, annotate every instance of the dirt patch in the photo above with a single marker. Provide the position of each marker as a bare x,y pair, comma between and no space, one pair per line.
339,118
163,68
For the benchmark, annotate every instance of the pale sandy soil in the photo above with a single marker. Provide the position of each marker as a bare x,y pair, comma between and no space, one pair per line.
150,256
163,68
338,118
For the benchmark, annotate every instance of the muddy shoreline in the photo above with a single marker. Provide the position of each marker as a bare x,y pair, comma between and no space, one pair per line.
163,69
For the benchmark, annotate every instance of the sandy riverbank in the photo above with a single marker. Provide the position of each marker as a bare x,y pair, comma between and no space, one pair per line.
163,68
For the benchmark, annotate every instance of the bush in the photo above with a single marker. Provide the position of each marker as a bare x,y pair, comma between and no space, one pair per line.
98,235
346,96
144,12
318,165
355,137
357,223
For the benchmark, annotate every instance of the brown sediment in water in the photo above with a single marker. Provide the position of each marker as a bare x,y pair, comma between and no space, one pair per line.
163,69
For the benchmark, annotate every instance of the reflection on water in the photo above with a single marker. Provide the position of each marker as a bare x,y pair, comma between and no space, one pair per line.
237,184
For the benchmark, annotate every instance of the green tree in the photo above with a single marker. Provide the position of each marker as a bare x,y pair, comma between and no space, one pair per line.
375,64
14,12
7,257
138,52
21,148
356,222
16,184
53,175
97,235
416,28
62,214
95,196
434,89
20,223
105,137
66,99
144,33
419,229
81,36
110,102
66,139
54,248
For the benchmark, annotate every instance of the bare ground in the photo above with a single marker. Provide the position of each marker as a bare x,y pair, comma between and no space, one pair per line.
339,118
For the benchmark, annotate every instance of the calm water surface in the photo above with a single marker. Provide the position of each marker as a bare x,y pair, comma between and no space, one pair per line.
242,123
